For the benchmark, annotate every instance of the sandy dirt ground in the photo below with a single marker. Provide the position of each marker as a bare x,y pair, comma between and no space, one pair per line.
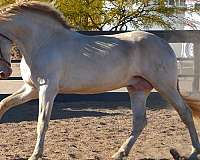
91,131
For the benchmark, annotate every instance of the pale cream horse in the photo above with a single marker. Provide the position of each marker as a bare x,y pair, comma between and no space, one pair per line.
59,60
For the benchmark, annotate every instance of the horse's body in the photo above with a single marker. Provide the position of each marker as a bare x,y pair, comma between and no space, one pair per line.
58,60
95,64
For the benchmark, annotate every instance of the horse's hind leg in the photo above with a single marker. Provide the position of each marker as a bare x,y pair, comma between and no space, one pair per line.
138,105
24,94
173,96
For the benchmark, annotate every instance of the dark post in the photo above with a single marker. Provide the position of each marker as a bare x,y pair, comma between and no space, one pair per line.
195,84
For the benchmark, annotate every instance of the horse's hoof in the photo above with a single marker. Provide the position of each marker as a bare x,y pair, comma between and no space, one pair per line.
177,156
35,158
194,156
119,156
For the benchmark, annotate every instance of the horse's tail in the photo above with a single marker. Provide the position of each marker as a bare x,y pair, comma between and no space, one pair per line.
193,102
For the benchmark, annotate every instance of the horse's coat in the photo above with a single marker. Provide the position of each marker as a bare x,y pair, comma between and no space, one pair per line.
59,60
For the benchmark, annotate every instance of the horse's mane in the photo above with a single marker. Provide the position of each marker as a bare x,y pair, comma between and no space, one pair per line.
33,6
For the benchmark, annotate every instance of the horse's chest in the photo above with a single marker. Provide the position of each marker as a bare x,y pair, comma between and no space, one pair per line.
25,72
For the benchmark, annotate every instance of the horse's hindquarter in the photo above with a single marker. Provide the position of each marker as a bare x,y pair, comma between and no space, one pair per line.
96,64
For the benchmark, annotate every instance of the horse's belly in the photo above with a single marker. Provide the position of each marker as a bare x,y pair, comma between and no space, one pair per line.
95,74
93,85
88,90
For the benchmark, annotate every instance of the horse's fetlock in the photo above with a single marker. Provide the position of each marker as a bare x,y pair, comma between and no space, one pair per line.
140,124
120,155
35,157
196,149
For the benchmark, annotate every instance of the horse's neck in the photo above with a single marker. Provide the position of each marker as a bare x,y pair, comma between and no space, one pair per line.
26,33
31,35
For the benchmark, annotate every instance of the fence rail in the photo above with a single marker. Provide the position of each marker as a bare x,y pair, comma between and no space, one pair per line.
174,36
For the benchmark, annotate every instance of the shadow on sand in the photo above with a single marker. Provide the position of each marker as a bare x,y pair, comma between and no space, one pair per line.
29,112
64,109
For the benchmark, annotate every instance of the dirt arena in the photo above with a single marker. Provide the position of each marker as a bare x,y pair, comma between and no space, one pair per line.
91,131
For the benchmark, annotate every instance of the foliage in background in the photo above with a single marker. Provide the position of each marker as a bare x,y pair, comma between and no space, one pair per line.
122,14
118,14
82,14
5,2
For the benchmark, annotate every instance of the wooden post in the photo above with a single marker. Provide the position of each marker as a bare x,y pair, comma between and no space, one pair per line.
196,51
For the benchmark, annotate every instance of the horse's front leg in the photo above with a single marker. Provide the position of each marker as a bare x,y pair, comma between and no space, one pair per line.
24,94
47,94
